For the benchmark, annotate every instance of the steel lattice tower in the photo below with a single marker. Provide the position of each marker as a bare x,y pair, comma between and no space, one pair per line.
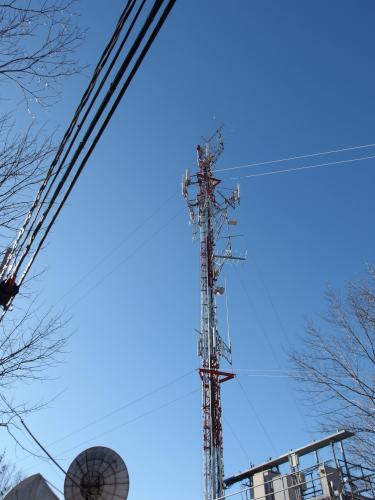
209,215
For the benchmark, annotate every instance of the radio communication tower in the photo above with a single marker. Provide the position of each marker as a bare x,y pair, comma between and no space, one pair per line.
208,208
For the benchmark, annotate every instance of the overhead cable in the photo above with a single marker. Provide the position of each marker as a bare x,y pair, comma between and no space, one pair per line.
36,440
94,121
131,421
125,259
135,419
122,407
252,407
300,157
101,109
109,254
126,405
307,167
53,204
59,169
37,204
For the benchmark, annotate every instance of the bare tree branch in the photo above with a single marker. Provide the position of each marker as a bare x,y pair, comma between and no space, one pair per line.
37,42
335,366
23,163
9,476
29,346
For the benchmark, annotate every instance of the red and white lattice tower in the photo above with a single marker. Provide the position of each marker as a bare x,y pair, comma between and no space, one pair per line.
208,208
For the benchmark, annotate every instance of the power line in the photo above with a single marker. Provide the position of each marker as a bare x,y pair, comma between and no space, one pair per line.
265,334
237,439
260,370
259,420
124,66
17,441
135,419
36,440
125,259
120,408
55,487
37,204
114,39
265,375
287,374
126,405
128,422
117,246
53,202
289,158
80,108
307,167
270,300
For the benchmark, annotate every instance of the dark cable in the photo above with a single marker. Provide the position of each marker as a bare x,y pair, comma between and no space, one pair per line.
93,123
102,61
135,68
123,19
36,440
45,450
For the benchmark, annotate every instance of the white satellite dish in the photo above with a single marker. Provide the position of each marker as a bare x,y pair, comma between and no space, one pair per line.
98,473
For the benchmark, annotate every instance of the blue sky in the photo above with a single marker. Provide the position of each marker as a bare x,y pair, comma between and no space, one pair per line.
286,78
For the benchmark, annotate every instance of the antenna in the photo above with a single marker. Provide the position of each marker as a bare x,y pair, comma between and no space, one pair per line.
97,473
208,209
227,316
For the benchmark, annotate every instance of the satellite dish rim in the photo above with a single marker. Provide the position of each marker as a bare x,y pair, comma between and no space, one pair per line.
88,466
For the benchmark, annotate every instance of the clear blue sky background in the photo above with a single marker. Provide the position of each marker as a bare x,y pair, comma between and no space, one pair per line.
286,78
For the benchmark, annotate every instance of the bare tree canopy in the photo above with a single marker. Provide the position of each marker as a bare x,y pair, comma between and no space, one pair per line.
336,365
23,161
37,42
28,346
9,476
38,39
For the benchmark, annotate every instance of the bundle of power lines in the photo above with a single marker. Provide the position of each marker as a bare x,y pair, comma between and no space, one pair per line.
134,34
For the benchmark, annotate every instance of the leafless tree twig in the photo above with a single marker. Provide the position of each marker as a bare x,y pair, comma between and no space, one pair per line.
37,42
335,367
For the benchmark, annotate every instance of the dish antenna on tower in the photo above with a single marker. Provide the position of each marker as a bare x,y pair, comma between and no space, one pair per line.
98,473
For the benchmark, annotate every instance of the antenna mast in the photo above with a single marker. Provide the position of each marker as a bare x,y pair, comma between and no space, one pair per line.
209,215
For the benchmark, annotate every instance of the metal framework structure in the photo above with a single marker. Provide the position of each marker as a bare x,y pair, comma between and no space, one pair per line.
325,475
208,208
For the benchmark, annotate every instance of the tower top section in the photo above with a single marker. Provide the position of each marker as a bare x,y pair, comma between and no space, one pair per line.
202,187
